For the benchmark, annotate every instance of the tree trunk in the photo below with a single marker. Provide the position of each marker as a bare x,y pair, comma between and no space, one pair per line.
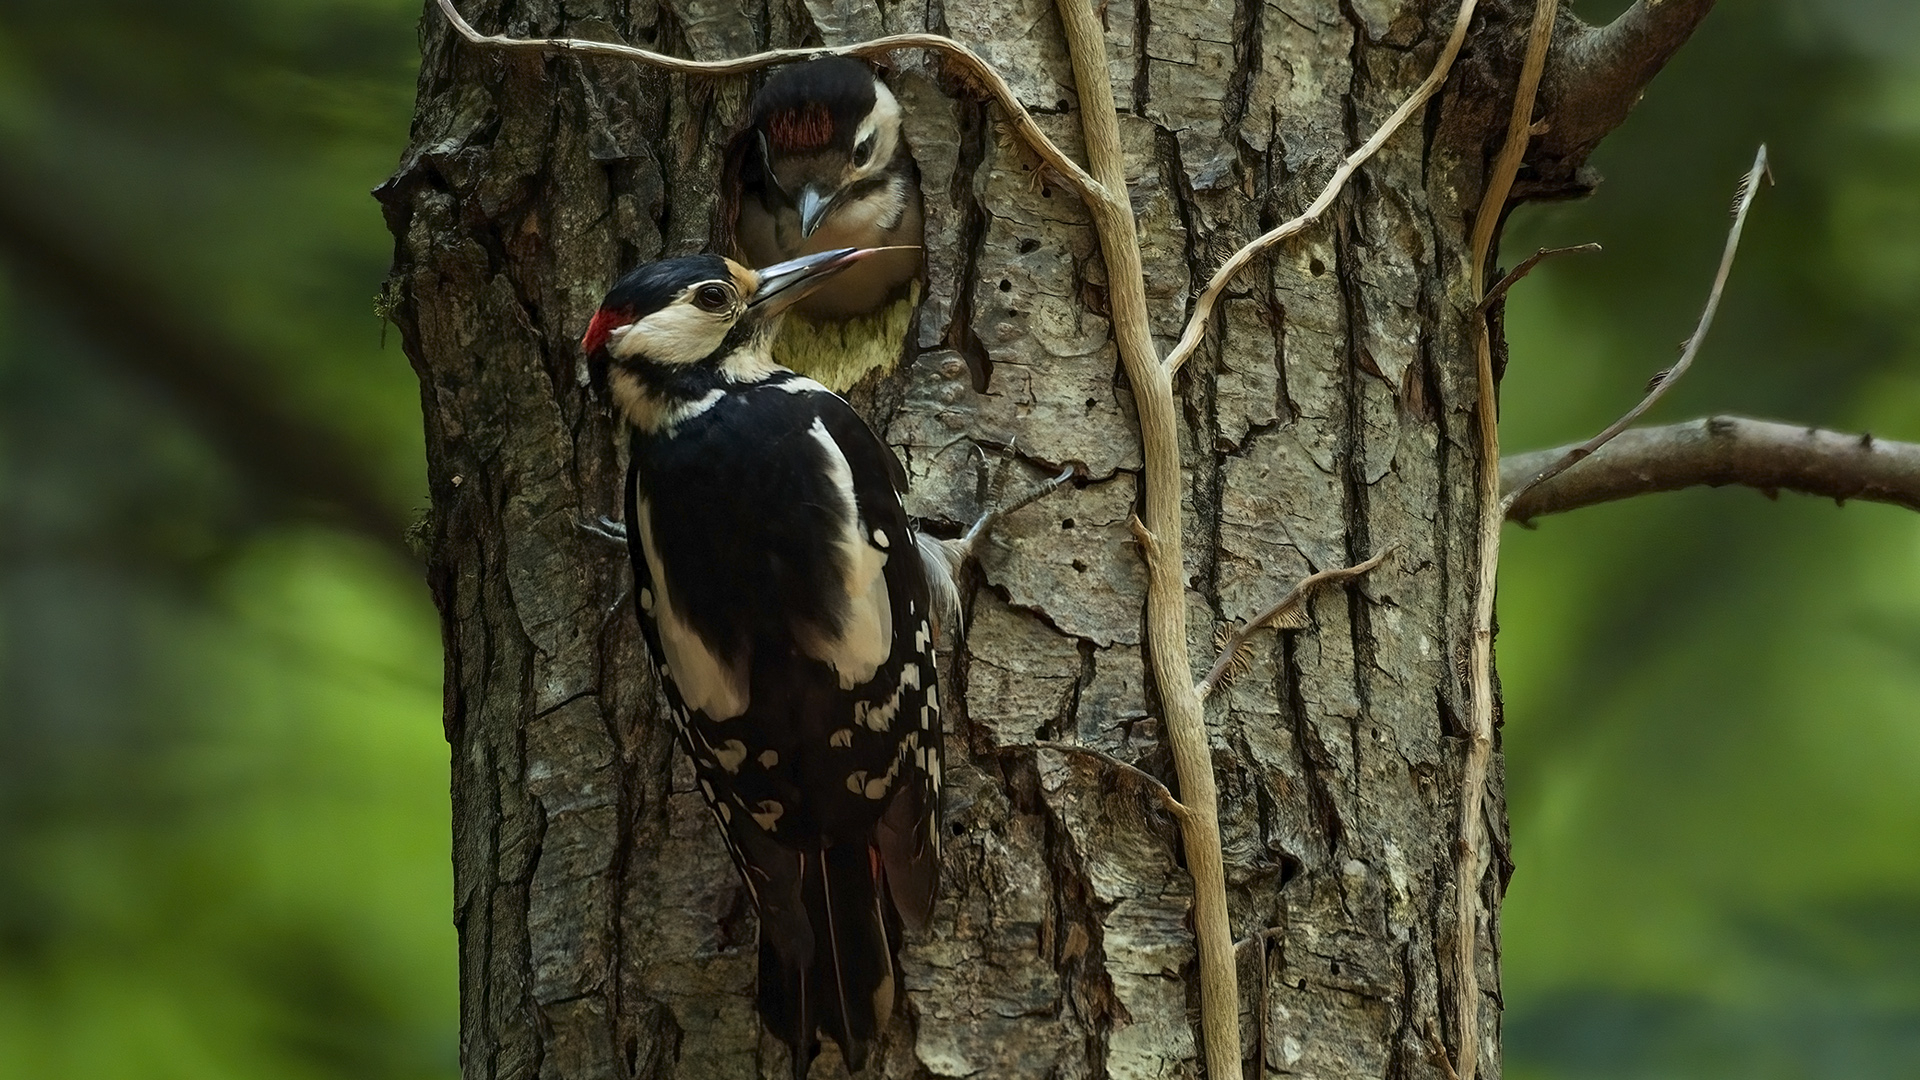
602,931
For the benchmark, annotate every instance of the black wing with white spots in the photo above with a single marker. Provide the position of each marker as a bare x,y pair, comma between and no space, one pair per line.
782,595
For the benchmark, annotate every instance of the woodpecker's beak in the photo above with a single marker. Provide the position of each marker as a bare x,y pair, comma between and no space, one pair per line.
813,208
784,284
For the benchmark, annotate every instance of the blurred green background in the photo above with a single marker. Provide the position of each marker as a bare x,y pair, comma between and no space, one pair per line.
223,816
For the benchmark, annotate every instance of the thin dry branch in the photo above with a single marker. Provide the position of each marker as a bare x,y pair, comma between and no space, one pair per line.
1133,772
1470,858
1202,316
1230,653
1717,451
1662,382
1160,529
1526,266
968,61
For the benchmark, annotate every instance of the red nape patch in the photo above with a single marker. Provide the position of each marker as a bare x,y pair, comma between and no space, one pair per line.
605,322
803,127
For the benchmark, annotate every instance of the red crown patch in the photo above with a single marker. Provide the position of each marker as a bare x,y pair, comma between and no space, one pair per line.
803,127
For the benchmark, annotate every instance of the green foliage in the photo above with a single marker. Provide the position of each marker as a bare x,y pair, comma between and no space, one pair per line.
223,814
1713,701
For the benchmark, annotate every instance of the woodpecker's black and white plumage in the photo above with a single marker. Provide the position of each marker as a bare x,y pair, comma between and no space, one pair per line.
787,603
823,164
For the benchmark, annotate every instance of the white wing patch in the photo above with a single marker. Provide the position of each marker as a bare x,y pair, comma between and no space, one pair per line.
707,683
800,384
866,640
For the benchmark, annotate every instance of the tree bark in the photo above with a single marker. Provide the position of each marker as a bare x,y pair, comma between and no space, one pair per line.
602,931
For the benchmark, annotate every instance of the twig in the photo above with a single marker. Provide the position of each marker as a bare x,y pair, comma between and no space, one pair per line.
1723,450
1258,937
1202,316
1141,776
1167,655
1159,529
1526,267
1469,859
1743,201
1307,586
1437,1052
968,61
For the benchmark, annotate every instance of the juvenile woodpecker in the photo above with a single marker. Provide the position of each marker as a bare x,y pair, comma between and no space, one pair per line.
822,165
785,600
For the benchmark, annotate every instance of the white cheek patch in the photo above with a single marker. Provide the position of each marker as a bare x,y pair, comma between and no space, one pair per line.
866,640
879,210
883,123
707,683
679,333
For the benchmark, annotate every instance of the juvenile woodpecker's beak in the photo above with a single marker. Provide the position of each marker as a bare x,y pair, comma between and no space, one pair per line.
784,284
813,207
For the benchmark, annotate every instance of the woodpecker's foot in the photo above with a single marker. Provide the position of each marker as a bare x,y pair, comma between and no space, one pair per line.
606,530
962,548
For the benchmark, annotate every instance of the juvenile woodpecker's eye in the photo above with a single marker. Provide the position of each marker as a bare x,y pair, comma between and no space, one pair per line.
711,298
863,153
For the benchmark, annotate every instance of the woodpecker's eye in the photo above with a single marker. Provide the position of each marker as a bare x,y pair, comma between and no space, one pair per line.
863,152
712,298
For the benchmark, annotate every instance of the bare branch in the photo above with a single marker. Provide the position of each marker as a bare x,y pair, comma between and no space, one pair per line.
1167,657
970,64
1133,772
1662,382
1717,451
1470,860
1596,75
1202,316
1230,654
207,375
1437,1052
1526,267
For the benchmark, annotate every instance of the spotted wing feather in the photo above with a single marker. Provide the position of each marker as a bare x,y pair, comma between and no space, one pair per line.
758,531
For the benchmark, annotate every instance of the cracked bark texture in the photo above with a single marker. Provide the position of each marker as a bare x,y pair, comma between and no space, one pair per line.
602,931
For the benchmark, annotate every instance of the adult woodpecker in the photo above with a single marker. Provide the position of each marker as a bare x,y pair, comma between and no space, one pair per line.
823,164
786,601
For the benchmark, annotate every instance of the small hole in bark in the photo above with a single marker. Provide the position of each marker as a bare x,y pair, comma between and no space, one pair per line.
1066,523
955,829
1317,267
1080,565
1005,285
1046,192
1029,246
1290,868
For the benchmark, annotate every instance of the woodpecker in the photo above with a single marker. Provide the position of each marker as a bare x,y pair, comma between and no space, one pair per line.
823,164
789,606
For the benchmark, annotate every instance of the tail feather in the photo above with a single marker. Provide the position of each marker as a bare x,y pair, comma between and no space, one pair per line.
784,1006
845,984
907,838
